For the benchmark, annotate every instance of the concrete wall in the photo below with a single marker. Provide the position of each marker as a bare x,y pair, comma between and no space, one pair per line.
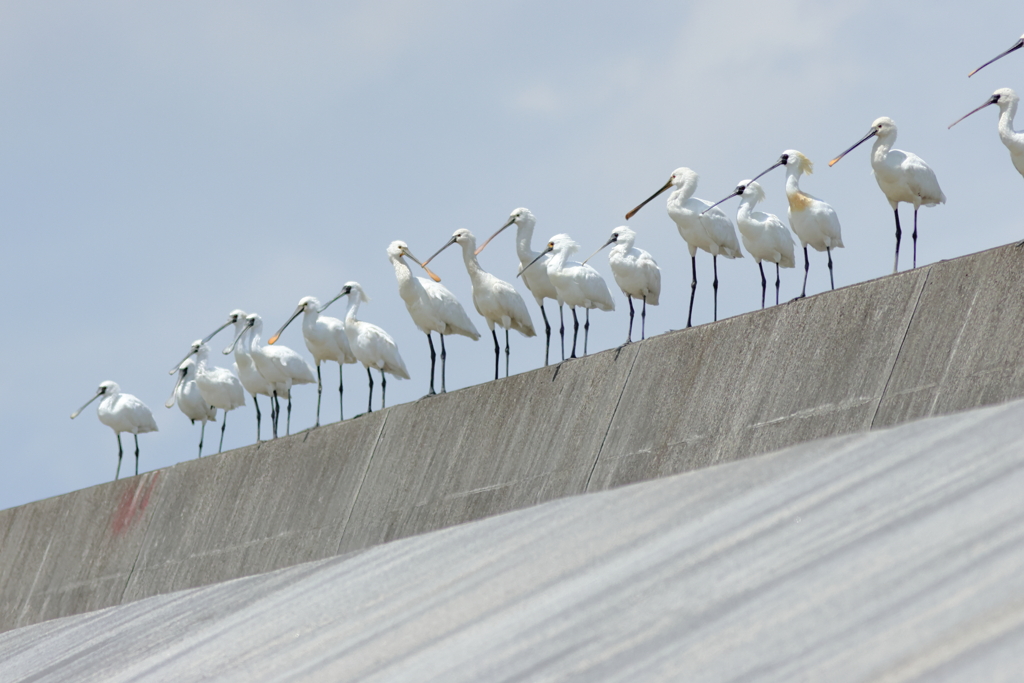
939,339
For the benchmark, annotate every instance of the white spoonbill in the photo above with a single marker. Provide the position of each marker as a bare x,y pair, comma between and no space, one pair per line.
902,176
764,235
280,366
496,300
701,226
536,279
1006,100
218,386
122,413
433,308
813,221
326,340
251,379
372,346
190,401
576,284
1016,46
635,272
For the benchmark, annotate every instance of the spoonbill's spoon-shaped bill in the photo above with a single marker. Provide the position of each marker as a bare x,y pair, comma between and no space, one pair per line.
1007,101
645,202
510,221
993,99
1016,46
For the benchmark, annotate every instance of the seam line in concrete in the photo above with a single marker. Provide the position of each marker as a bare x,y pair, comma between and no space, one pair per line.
359,486
611,420
35,582
903,340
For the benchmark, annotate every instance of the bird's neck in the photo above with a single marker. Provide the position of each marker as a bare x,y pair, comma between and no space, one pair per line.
469,258
793,180
407,283
353,308
1006,121
558,259
881,148
746,208
524,236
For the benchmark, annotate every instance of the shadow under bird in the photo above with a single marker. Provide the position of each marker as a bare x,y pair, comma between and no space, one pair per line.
122,413
496,300
372,346
281,367
576,284
1006,100
764,235
902,176
326,340
701,226
635,272
190,401
432,307
813,221
218,386
536,280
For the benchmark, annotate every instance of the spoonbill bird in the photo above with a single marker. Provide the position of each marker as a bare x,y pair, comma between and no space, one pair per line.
635,272
1006,100
1016,46
813,221
251,379
763,234
372,346
218,386
326,340
122,413
280,367
496,300
701,226
902,176
190,401
536,279
576,284
433,308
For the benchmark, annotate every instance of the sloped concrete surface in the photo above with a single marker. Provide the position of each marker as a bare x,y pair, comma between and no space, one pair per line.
894,555
935,340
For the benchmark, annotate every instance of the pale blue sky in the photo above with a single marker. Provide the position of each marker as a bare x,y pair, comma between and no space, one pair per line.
164,163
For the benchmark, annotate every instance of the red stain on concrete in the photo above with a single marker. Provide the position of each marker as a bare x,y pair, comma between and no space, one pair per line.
133,502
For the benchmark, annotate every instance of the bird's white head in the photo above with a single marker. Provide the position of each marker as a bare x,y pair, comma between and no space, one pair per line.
106,388
355,289
398,249
751,189
883,127
620,235
251,322
562,243
522,216
1003,98
309,304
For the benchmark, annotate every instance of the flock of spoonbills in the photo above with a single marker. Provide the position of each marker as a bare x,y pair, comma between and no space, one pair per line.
272,370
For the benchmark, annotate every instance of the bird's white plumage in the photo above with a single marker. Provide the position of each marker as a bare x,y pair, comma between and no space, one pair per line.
1007,101
120,412
219,386
536,279
431,305
634,270
814,222
188,397
245,368
372,346
902,176
764,235
712,231
280,366
576,284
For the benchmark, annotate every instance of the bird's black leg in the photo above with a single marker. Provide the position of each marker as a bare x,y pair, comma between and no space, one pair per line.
341,391
629,334
899,233
288,423
561,329
256,401
575,331
831,280
643,320
223,426
777,281
547,333
586,332
764,283
383,389
433,358
319,391
120,452
136,454
807,269
202,433
714,283
915,236
693,289
369,402
444,355
497,353
277,412
506,352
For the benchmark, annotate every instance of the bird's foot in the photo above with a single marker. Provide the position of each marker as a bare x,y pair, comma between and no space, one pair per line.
797,298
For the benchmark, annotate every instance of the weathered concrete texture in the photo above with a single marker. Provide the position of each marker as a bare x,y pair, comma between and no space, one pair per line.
935,340
891,555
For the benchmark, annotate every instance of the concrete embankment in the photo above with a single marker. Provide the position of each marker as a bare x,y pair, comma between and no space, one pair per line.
940,339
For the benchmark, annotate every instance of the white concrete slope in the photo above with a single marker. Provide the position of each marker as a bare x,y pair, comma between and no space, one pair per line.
893,555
